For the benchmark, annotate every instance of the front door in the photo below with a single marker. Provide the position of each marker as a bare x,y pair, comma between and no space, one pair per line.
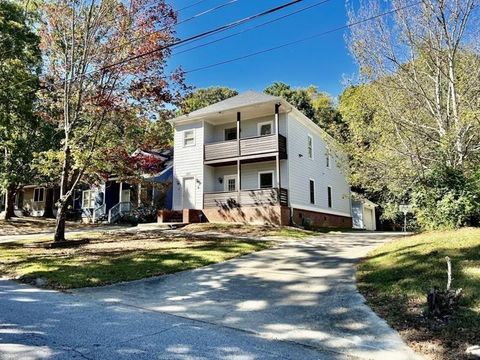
230,182
125,196
189,193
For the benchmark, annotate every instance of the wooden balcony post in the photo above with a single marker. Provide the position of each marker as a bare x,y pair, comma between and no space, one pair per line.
277,157
239,167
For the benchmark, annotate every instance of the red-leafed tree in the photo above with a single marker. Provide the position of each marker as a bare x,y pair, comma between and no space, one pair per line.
96,74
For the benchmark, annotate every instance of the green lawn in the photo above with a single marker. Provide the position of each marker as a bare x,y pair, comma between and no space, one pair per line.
116,257
396,277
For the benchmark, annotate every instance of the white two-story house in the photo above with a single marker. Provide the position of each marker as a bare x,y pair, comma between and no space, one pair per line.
254,158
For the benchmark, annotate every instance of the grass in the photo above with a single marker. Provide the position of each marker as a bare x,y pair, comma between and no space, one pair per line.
396,277
33,225
115,257
286,232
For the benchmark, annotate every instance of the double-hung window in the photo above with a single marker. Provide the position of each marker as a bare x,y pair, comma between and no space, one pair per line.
310,146
329,196
312,191
189,138
265,180
39,194
231,134
88,199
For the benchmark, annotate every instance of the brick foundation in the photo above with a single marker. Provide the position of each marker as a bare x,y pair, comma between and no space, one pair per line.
319,219
255,215
166,216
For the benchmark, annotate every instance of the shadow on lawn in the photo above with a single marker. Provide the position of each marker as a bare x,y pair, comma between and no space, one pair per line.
398,292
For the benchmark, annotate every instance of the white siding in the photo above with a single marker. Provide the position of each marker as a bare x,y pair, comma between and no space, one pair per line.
249,175
248,128
302,169
188,162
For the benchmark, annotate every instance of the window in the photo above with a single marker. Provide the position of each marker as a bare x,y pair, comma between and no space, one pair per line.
189,138
231,134
310,147
39,194
265,128
88,199
312,191
329,196
230,182
327,159
265,180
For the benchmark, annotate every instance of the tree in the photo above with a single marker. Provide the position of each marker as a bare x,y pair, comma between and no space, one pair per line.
97,73
419,99
204,97
20,61
316,105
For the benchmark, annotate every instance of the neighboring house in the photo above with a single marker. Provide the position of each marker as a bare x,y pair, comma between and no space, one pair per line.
254,158
363,213
108,200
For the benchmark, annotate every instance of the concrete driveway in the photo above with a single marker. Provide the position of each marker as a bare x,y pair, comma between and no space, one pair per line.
302,293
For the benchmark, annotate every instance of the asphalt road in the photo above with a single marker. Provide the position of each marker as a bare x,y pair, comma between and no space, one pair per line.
297,301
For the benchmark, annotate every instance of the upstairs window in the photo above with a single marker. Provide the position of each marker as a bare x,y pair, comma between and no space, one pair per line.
265,180
312,192
265,128
327,159
231,134
188,138
39,195
329,196
310,147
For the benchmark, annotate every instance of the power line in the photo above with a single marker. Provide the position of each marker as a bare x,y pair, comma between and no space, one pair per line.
252,27
183,41
215,8
191,5
300,40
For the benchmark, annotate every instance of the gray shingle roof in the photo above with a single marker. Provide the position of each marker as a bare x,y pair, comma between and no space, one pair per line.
245,99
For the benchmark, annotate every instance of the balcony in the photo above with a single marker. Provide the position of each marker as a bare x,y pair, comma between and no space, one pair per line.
254,197
249,148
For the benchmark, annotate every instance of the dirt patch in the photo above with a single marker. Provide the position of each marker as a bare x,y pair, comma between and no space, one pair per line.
31,225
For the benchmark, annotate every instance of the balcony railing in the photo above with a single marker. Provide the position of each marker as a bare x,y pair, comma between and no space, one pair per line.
248,146
254,197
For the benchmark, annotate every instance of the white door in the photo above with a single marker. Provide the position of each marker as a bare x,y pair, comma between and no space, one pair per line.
368,219
230,183
125,196
189,193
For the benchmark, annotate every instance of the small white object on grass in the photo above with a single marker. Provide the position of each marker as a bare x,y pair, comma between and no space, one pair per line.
474,351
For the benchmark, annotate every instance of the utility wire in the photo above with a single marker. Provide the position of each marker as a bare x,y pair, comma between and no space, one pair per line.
300,40
252,27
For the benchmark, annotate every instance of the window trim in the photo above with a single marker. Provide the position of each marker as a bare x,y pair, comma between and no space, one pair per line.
259,127
310,181
185,137
260,173
329,197
43,194
225,182
310,146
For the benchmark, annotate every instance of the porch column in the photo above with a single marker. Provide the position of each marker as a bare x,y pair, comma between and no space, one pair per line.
277,157
120,194
139,194
239,167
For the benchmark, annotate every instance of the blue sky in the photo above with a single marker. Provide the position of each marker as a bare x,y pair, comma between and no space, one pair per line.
323,61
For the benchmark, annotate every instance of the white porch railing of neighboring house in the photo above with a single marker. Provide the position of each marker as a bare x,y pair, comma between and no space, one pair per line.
118,210
99,212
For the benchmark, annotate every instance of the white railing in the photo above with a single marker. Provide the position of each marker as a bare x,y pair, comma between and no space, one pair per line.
118,210
99,212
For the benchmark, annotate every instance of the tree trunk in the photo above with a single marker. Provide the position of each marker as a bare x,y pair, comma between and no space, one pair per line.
60,220
10,202
48,213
